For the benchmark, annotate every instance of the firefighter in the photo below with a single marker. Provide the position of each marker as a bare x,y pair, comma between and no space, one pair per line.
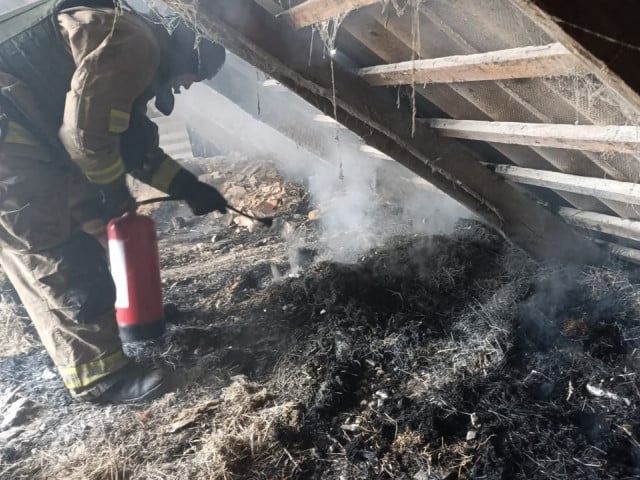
75,77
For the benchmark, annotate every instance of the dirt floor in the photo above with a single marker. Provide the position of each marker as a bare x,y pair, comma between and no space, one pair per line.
429,358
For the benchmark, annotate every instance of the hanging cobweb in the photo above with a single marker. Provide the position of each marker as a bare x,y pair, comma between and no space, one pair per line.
327,31
399,6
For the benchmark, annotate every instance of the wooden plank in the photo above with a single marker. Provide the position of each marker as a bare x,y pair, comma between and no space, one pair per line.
390,39
253,34
624,253
549,104
593,138
524,62
374,152
619,227
549,101
327,121
458,101
376,33
626,192
316,11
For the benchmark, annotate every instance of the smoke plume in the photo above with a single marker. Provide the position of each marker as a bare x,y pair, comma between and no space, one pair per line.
362,197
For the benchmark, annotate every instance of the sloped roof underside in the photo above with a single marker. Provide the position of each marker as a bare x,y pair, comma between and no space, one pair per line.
505,103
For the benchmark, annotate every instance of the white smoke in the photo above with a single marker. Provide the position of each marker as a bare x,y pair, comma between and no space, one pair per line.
349,187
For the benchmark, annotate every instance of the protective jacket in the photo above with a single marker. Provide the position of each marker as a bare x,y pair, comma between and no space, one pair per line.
74,76
74,82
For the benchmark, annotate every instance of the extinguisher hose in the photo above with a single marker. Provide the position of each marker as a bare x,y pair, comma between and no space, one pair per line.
266,221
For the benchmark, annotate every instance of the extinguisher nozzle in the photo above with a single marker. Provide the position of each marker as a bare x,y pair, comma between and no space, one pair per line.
266,221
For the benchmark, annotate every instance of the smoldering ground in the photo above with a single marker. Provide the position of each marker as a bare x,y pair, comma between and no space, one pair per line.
430,356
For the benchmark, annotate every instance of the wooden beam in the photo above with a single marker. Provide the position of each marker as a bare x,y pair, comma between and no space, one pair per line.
598,222
624,253
270,6
316,11
253,34
626,192
459,101
328,121
524,62
593,138
553,98
374,152
390,38
378,34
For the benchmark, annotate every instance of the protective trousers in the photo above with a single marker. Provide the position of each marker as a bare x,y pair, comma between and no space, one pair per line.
59,271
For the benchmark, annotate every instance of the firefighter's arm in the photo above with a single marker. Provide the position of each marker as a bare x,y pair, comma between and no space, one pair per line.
147,162
116,59
142,155
164,173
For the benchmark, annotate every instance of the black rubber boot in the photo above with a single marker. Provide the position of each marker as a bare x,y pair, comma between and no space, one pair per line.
132,384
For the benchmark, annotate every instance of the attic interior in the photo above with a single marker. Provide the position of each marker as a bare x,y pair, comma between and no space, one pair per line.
450,288
577,95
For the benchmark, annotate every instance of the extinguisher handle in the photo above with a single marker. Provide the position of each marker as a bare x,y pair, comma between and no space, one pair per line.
154,200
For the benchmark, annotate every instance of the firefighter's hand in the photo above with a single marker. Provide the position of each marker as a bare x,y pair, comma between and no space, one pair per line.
200,197
139,141
203,199
116,199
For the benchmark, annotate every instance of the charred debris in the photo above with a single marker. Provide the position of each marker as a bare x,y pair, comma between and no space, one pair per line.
430,357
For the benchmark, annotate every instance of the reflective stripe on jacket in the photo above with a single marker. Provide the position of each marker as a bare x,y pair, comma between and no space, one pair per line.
14,133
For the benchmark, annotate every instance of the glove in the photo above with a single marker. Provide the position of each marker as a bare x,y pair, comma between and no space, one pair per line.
203,199
200,197
138,141
116,200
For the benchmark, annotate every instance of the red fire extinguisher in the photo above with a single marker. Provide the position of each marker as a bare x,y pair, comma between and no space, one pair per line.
135,267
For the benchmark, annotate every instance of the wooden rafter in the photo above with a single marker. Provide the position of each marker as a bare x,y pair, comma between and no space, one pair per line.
619,227
390,39
525,108
270,6
256,36
593,138
626,192
524,62
316,11
625,253
374,152
622,194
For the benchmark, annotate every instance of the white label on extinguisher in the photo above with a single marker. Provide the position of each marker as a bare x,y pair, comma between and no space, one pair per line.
118,262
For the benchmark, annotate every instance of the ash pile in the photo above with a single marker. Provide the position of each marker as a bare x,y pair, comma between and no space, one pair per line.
455,357
431,357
